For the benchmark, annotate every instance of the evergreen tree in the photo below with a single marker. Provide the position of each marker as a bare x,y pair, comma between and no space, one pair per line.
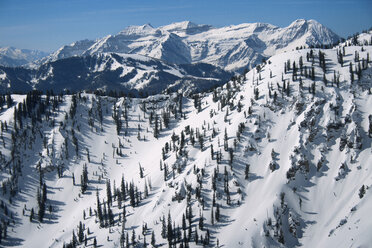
256,94
169,229
156,128
340,58
183,222
9,100
212,216
41,198
163,228
122,187
133,237
122,238
74,239
201,222
281,237
32,214
110,216
153,241
212,152
246,172
313,88
362,191
84,179
94,242
370,126
225,141
312,73
140,171
81,233
217,213
132,195
351,72
108,192
99,210
127,240
231,153
201,141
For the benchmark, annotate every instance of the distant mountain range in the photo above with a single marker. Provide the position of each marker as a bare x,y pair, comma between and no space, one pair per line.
232,47
152,59
10,56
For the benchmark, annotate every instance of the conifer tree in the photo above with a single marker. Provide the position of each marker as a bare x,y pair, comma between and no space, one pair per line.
169,229
127,240
122,238
163,228
246,172
362,191
122,187
108,192
81,233
156,127
74,239
351,72
132,195
217,213
212,216
84,179
231,154
32,214
201,222
133,237
140,171
99,210
153,241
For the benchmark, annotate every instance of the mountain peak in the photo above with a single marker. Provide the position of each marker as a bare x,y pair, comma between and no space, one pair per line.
312,31
188,24
186,27
304,22
137,30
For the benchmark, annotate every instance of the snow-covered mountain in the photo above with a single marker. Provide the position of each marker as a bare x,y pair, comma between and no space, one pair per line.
277,157
233,48
10,56
110,72
74,49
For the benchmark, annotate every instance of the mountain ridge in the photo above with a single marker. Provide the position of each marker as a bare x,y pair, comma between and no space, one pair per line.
207,44
112,72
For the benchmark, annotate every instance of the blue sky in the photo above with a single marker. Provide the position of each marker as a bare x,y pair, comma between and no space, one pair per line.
49,24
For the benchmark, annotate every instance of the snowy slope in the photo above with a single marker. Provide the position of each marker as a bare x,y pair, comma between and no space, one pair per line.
233,47
307,143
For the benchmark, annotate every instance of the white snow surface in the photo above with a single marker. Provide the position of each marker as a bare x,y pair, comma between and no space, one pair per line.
296,127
